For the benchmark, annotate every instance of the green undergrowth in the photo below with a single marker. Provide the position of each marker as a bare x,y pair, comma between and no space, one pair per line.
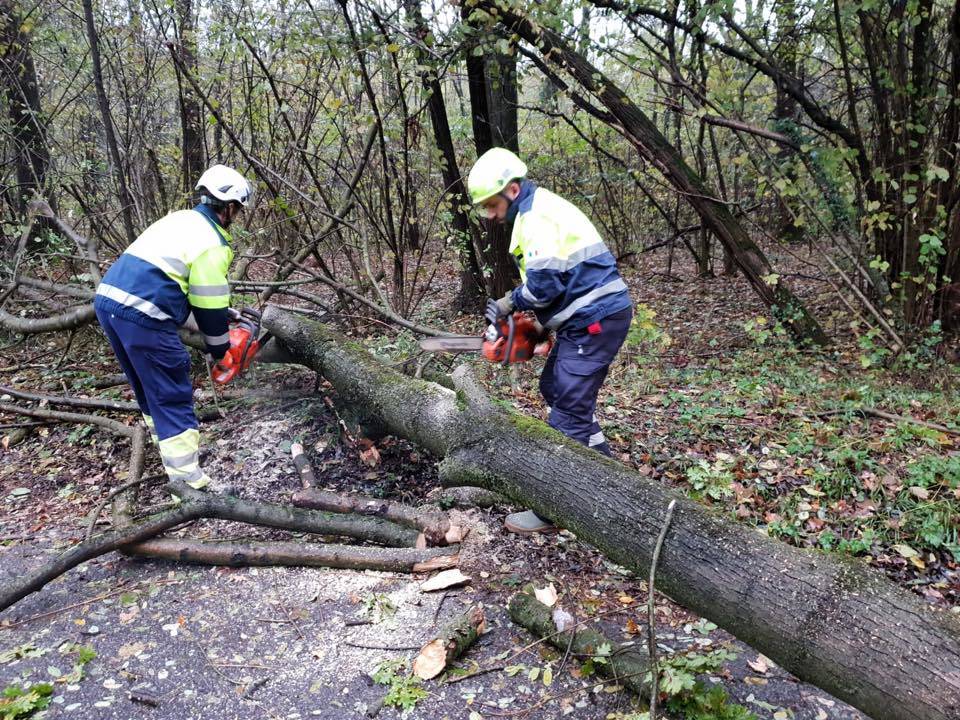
796,444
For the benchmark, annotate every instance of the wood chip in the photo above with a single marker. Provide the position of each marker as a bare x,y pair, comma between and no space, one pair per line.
445,579
547,595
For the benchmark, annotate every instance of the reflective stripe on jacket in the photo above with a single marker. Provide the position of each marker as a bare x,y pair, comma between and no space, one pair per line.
177,265
570,277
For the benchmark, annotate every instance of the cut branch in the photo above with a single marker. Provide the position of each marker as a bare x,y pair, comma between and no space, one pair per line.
452,642
625,665
434,525
243,554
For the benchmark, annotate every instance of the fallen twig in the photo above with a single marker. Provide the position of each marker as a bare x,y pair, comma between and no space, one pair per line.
651,613
883,415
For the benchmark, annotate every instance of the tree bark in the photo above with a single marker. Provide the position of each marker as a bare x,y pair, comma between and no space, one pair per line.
191,120
434,525
831,621
246,554
451,642
70,320
494,125
472,285
126,201
27,123
656,149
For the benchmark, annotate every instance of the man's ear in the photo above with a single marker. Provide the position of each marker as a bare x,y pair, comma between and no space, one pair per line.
514,189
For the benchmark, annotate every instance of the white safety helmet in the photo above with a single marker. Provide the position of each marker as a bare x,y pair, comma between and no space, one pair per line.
225,185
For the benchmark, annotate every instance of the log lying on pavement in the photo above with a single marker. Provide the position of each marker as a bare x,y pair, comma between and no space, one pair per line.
626,665
224,507
451,642
244,554
829,620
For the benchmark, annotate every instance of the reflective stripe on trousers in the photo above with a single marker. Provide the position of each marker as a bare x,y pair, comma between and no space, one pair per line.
181,456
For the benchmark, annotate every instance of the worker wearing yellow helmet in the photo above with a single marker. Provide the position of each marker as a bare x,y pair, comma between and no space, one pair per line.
569,279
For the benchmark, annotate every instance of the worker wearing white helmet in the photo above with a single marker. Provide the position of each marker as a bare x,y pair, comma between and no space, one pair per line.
176,267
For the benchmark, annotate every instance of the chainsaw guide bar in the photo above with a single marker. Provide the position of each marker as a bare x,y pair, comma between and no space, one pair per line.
466,343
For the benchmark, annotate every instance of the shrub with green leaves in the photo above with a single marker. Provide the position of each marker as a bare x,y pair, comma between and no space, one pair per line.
20,702
405,690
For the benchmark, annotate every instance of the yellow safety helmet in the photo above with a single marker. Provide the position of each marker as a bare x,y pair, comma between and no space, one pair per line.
492,172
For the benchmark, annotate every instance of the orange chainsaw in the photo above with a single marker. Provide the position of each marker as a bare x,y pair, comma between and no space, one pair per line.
515,338
244,345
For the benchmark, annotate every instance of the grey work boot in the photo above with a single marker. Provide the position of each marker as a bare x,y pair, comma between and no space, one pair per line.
527,522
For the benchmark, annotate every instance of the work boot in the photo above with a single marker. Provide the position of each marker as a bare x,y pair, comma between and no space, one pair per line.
200,483
527,522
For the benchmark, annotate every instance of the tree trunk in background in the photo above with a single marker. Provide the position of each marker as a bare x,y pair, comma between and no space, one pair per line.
472,288
830,620
28,125
193,160
653,146
126,201
493,110
785,112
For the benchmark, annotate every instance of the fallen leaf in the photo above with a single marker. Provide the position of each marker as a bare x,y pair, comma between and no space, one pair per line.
370,457
759,665
547,595
130,650
905,550
919,492
445,579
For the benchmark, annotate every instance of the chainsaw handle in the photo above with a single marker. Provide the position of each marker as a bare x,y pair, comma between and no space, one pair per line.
225,369
511,335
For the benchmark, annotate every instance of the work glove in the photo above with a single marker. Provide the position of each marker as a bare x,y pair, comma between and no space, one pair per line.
498,309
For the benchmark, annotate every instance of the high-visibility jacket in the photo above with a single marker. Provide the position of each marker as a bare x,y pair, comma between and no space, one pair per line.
177,265
570,277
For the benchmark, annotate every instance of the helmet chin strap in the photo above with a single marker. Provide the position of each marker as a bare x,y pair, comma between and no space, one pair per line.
506,197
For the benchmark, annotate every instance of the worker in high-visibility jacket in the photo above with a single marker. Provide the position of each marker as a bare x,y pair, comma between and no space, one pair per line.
176,267
570,281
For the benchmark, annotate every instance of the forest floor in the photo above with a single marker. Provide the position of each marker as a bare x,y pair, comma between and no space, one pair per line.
709,399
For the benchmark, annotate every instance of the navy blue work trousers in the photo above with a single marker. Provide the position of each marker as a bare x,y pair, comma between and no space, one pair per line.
158,368
574,372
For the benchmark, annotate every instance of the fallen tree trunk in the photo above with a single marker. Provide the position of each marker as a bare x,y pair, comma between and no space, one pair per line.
829,620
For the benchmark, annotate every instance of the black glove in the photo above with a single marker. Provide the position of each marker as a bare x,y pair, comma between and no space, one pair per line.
498,309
